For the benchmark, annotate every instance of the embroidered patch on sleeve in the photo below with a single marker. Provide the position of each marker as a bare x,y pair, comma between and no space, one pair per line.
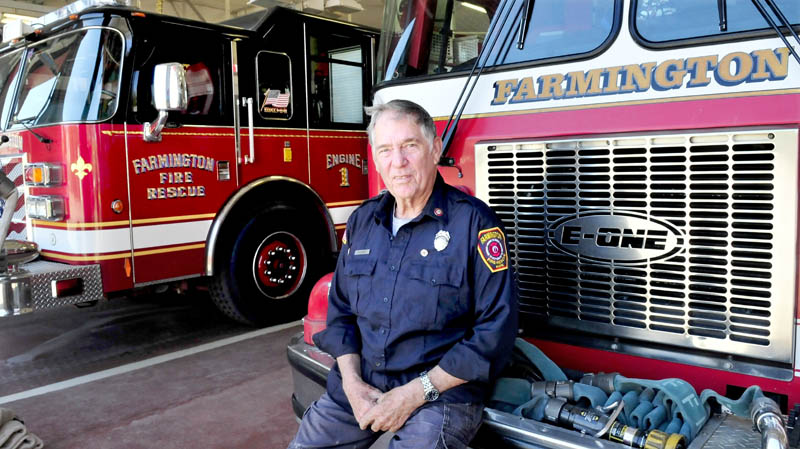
492,248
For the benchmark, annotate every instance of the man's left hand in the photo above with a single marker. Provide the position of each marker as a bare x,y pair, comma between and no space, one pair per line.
394,407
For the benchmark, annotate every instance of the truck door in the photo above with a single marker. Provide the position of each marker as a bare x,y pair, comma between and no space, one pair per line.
274,138
339,74
178,183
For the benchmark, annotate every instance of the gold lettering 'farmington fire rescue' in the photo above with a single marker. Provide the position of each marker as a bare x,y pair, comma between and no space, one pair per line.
172,160
730,70
171,178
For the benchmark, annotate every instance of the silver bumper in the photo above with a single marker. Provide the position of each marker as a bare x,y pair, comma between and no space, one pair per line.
503,430
32,287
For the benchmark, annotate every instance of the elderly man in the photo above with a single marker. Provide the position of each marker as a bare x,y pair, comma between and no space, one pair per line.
422,309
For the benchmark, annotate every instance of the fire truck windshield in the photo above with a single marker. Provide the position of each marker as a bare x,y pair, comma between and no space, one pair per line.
669,20
448,34
69,78
456,25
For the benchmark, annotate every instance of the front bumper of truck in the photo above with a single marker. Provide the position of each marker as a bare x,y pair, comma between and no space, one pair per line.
310,367
37,285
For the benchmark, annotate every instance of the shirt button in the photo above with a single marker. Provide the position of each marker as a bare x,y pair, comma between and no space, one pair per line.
433,281
383,331
385,299
392,268
377,363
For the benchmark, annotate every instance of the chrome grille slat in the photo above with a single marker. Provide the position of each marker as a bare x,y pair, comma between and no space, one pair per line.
730,194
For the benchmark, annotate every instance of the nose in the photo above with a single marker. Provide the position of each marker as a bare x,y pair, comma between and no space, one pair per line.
399,157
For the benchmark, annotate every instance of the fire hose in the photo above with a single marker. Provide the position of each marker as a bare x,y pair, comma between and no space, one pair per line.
14,434
652,414
587,420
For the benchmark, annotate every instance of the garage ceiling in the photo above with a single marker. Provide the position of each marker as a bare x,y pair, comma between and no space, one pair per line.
218,10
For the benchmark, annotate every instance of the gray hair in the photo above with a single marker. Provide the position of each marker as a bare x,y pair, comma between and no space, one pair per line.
403,108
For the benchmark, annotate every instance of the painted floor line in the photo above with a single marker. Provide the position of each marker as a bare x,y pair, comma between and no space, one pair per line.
80,380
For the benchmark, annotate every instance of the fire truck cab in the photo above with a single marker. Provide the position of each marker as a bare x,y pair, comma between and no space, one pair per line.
149,149
642,155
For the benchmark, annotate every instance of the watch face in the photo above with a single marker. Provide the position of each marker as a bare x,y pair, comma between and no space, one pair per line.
431,395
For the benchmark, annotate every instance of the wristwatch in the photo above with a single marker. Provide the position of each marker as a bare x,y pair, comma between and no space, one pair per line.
431,393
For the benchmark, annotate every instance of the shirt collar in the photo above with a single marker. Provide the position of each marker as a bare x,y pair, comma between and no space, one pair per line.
435,208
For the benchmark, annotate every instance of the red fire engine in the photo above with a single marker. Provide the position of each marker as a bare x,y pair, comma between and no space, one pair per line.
155,149
643,157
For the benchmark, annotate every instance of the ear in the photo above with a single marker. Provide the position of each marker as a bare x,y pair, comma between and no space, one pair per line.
437,148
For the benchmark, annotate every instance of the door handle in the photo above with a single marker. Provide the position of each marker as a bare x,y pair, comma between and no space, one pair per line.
250,138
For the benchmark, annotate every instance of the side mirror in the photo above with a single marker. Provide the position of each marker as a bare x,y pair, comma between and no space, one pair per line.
169,94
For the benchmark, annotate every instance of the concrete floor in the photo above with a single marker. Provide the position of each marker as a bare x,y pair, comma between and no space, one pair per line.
233,396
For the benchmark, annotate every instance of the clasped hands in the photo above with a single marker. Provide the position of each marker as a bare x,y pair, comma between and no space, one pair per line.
383,411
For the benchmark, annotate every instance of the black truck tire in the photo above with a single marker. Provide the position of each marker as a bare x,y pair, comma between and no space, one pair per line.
265,273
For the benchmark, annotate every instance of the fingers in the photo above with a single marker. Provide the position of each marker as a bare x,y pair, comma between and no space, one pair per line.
367,419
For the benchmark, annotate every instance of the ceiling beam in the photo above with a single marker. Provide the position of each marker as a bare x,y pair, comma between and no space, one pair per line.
196,11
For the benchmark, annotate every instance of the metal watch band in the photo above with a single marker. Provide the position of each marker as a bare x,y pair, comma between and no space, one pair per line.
430,392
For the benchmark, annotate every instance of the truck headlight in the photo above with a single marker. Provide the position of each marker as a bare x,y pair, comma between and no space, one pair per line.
45,207
42,174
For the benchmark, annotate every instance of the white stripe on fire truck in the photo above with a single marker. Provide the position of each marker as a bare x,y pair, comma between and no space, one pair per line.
102,241
341,214
99,241
106,224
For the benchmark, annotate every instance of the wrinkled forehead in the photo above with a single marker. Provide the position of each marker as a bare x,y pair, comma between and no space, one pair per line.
396,125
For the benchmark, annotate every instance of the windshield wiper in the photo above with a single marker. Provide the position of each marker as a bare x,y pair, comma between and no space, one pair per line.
452,122
784,22
523,25
722,9
39,137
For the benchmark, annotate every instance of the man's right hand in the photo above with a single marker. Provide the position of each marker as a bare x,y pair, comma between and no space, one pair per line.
360,394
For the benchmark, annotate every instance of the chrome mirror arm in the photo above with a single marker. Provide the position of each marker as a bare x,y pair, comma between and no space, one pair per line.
152,131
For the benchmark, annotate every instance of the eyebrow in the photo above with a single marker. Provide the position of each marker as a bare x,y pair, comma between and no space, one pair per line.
409,140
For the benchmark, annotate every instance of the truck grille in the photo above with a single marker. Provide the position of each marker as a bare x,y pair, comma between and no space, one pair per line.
687,239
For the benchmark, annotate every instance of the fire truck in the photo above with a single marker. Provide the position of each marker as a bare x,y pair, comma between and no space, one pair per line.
148,150
643,157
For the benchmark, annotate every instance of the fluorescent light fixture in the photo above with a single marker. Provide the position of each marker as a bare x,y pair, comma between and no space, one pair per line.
8,17
475,7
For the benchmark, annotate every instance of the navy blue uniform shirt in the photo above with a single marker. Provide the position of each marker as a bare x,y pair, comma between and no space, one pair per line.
439,292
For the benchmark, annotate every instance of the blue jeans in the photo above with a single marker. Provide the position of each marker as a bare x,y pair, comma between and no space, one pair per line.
435,425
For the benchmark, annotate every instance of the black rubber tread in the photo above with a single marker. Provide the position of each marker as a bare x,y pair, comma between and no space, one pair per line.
242,301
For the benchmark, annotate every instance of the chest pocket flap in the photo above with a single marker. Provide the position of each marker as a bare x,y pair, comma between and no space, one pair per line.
360,266
444,272
359,271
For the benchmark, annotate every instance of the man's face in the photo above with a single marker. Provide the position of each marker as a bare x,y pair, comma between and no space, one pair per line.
405,159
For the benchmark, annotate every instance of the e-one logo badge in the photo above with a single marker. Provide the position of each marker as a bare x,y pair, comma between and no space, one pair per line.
618,237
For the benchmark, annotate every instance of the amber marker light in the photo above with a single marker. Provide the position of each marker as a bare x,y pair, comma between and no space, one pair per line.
138,14
117,206
34,174
73,17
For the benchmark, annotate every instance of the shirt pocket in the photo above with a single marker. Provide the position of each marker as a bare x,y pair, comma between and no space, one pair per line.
436,291
358,272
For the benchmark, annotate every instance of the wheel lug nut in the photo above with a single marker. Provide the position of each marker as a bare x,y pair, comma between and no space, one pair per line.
292,258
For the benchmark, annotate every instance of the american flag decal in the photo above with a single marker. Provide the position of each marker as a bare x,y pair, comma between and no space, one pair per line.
276,99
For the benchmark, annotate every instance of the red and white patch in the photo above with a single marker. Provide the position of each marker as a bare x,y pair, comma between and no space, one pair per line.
492,248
